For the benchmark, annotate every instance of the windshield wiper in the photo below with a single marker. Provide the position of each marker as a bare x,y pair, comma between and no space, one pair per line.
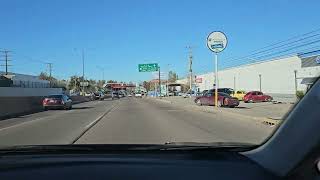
211,145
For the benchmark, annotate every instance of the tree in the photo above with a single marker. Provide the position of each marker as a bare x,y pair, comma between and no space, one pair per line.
74,83
111,81
100,83
146,85
55,83
172,76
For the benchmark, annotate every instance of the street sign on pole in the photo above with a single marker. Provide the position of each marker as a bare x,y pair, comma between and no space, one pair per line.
148,67
84,84
216,42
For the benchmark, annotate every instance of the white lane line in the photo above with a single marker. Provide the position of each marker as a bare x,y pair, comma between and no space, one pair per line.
89,126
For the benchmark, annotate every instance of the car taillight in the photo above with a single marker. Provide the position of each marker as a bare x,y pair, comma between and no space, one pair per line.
45,101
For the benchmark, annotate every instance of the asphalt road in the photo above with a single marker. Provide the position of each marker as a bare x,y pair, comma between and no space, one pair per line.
128,121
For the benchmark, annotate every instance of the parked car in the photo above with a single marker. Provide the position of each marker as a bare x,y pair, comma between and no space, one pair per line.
189,94
139,95
226,90
170,93
57,101
239,95
256,96
99,95
102,96
115,95
91,96
224,99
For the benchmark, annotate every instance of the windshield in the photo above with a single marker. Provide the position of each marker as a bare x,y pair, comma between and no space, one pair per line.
146,72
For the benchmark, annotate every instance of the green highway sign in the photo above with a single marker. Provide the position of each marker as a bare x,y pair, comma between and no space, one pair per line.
148,67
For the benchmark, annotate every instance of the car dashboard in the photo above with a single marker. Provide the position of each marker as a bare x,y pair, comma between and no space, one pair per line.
132,165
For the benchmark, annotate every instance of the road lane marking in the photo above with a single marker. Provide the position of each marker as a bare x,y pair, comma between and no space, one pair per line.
89,126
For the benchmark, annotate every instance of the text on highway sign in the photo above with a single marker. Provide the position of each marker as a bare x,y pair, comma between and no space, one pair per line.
148,67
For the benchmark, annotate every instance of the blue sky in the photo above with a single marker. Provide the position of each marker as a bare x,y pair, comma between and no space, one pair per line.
118,35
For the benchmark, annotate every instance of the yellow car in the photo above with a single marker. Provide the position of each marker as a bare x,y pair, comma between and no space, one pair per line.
239,95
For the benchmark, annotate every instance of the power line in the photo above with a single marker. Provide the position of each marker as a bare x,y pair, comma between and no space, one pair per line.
280,42
282,50
282,55
291,48
283,46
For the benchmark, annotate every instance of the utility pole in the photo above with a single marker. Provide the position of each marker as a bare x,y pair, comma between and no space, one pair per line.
295,81
6,60
159,83
83,71
234,84
168,81
190,68
50,73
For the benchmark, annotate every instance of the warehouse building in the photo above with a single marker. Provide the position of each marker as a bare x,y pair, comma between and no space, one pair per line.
280,77
26,81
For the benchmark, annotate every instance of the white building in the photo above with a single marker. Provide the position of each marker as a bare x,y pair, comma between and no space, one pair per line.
27,81
277,76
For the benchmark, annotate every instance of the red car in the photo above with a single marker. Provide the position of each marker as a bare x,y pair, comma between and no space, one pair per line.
256,96
223,100
57,101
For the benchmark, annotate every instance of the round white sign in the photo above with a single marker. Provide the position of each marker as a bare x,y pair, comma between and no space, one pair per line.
217,41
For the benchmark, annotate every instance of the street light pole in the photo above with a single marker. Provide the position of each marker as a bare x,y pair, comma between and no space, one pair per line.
216,80
260,82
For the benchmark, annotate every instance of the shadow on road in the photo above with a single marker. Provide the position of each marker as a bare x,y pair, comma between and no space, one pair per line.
75,108
241,107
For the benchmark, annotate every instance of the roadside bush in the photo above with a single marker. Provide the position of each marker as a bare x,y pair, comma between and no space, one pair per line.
299,94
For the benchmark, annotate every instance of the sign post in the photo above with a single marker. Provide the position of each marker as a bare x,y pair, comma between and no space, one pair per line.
216,42
152,67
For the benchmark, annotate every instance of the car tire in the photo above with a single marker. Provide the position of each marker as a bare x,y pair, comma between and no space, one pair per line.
245,101
198,102
251,101
231,106
45,108
70,107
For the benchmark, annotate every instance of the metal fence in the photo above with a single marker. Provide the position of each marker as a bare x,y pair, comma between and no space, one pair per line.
30,84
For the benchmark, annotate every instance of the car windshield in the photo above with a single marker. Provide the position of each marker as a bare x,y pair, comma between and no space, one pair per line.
146,72
55,96
224,94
